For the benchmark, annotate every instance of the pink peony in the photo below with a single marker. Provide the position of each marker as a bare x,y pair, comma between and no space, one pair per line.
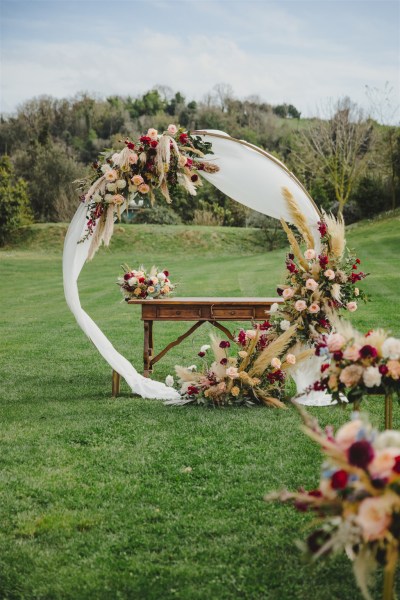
347,434
352,352
383,462
172,129
309,254
374,516
335,342
394,369
352,306
288,293
351,375
329,274
311,284
314,308
300,305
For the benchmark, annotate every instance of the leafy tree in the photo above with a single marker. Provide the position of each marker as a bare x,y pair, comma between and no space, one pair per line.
14,202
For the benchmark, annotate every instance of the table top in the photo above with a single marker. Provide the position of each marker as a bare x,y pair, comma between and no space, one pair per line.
207,301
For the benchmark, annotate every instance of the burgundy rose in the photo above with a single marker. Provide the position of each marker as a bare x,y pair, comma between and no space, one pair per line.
338,355
145,139
127,276
141,280
224,344
339,479
354,267
279,291
379,482
194,177
324,367
323,260
291,256
266,325
322,228
396,467
319,386
358,261
189,162
324,323
166,273
154,144
368,351
183,138
200,166
192,390
130,145
360,454
291,267
223,361
242,338
201,354
383,369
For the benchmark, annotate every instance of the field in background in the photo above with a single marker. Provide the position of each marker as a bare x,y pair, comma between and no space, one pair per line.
95,499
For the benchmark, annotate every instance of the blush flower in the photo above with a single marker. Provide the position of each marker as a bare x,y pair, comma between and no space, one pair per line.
335,342
393,369
290,359
300,305
309,254
352,352
311,284
137,180
172,129
372,377
250,334
111,175
347,434
351,375
391,348
351,306
383,463
314,308
132,158
152,133
276,363
288,293
143,188
232,372
329,274
374,517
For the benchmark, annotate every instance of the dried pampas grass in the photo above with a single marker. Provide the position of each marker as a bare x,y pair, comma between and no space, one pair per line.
294,245
186,374
337,236
299,220
275,349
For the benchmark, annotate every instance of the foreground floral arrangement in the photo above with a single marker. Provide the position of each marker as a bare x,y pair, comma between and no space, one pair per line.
357,502
153,161
142,284
358,364
254,374
318,283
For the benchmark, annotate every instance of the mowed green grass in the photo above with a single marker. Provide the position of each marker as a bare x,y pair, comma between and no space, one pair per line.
96,501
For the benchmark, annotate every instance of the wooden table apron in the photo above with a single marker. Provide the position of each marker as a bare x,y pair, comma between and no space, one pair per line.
200,310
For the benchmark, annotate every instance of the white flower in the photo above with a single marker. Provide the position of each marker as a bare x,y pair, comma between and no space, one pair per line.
108,197
111,187
132,281
161,276
274,307
284,325
205,348
169,381
121,183
372,377
115,158
388,439
106,167
97,197
311,284
356,292
276,363
172,129
391,348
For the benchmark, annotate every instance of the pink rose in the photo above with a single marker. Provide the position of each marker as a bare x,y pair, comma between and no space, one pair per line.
172,129
290,359
143,188
335,342
276,363
137,180
309,254
374,516
111,175
329,274
300,305
383,462
311,284
351,306
347,434
314,308
288,293
232,372
351,375
352,352
394,369
132,158
251,334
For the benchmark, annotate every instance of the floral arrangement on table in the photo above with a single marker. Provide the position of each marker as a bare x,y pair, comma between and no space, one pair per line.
318,282
253,374
153,161
358,364
140,283
357,502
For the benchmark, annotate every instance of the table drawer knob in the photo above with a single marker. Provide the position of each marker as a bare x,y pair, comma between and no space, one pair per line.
232,312
177,312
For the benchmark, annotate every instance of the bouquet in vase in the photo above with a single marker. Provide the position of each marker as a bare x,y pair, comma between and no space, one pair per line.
139,284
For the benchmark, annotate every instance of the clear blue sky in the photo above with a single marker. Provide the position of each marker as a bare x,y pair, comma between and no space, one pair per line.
296,51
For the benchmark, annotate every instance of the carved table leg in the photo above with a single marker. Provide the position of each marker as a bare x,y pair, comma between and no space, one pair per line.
148,334
115,384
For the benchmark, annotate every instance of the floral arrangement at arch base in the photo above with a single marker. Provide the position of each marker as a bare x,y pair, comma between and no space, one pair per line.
357,503
249,372
140,283
319,282
358,365
153,161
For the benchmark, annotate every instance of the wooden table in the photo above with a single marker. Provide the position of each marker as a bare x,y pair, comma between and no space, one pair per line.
200,310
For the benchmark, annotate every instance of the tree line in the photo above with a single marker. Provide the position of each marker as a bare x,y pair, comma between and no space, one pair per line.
349,162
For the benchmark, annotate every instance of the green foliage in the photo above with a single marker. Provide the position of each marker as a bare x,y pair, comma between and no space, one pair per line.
97,502
158,215
15,210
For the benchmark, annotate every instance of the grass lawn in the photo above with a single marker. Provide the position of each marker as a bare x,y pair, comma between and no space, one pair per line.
95,498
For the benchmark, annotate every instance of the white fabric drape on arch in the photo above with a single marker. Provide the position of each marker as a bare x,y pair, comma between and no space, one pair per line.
247,175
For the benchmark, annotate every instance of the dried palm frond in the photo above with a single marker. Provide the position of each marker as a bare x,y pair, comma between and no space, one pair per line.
337,238
294,245
269,400
275,349
336,291
109,225
300,356
345,328
210,167
219,353
299,220
376,339
187,184
186,374
165,192
190,149
96,237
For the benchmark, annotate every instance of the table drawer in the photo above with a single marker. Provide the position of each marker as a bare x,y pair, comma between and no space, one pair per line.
233,312
176,313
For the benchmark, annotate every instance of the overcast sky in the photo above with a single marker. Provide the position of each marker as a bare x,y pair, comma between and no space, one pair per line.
299,51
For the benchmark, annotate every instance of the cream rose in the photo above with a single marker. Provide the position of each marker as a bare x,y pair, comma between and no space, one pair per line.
391,348
111,175
374,516
151,289
132,281
172,129
388,438
372,377
394,369
111,187
284,325
300,305
290,359
309,254
288,293
121,184
311,284
276,363
329,274
242,353
232,372
356,292
152,133
351,375
274,307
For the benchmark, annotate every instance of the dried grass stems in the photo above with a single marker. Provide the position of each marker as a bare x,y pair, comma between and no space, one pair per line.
298,219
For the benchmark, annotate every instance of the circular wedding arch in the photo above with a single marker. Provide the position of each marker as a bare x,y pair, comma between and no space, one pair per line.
247,174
